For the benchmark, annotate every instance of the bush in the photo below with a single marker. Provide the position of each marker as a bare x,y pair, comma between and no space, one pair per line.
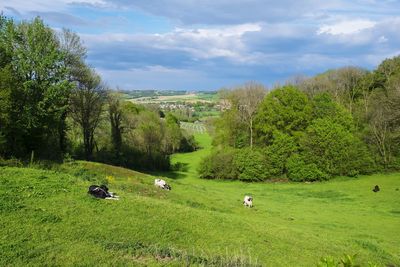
251,165
300,171
219,165
13,162
188,143
282,147
334,149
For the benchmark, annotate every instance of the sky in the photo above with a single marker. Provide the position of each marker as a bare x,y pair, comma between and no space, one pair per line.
210,44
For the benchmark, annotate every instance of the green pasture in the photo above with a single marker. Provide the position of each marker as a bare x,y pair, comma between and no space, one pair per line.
48,219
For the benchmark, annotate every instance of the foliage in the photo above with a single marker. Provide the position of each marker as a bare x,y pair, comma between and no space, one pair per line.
250,164
284,109
35,89
346,261
334,149
219,165
230,130
53,104
300,171
282,147
86,106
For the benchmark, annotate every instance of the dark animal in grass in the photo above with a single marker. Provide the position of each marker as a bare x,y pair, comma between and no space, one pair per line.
376,189
101,192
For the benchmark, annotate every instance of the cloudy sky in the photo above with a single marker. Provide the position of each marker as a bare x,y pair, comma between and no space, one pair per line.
209,44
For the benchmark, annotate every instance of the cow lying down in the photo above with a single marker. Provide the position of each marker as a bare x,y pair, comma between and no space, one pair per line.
102,192
162,184
248,201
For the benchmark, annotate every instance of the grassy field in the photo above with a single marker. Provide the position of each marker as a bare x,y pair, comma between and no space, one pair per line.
48,219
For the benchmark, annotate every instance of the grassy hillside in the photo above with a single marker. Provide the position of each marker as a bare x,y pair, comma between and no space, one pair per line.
47,218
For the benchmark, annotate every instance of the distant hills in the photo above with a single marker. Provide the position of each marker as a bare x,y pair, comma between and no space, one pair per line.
129,94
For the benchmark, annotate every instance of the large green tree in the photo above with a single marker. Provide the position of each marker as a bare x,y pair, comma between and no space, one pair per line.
38,90
285,109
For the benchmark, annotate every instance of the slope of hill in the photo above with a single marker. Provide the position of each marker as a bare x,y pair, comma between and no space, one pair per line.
47,218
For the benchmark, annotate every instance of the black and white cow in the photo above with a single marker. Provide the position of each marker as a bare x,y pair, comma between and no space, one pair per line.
101,192
248,201
162,184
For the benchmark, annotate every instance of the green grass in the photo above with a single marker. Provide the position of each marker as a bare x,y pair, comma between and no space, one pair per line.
47,218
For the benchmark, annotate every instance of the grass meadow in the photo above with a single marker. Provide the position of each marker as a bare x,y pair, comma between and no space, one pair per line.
48,219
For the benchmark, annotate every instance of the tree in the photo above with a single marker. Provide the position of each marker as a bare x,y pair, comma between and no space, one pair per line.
341,84
383,126
241,107
115,114
38,91
334,149
285,109
75,53
230,130
173,134
249,96
86,106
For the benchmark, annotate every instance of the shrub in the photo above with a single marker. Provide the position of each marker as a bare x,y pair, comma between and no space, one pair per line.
251,165
13,162
299,170
334,149
219,165
188,143
277,154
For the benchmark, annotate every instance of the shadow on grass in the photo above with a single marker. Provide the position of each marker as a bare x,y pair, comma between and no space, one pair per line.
169,174
178,171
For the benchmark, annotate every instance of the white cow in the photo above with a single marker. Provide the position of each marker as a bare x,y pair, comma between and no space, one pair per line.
248,201
162,184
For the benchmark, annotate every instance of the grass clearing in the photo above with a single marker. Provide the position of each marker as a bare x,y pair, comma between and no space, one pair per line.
47,218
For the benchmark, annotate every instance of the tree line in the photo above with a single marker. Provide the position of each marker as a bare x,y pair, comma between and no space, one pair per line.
54,105
343,122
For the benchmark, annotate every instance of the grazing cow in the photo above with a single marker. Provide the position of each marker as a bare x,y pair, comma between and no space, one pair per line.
376,189
101,192
162,184
248,201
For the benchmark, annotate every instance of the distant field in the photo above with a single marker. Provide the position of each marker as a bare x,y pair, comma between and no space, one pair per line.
194,128
47,218
189,98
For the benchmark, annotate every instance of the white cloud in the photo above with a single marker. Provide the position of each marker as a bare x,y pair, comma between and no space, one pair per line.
44,6
346,27
203,43
382,39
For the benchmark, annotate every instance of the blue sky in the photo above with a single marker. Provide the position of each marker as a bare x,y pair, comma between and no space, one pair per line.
209,44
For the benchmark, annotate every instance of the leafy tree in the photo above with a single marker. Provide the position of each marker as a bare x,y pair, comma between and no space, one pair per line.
230,130
323,106
285,109
173,134
39,90
334,149
86,106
